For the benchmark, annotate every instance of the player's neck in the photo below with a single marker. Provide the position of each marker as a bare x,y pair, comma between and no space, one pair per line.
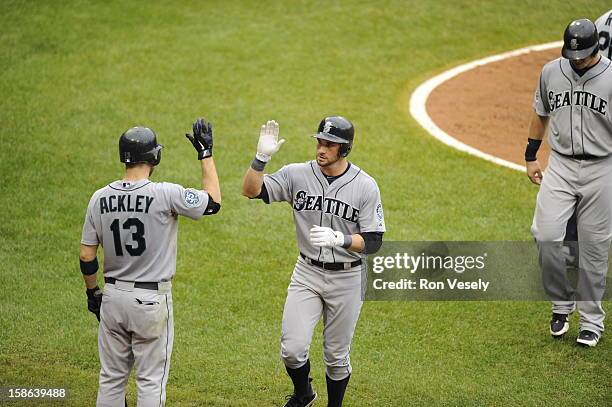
336,168
137,173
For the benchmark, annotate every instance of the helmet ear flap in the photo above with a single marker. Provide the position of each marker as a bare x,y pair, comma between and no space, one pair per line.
156,157
345,149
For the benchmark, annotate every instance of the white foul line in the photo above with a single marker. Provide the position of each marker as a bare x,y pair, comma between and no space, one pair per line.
418,101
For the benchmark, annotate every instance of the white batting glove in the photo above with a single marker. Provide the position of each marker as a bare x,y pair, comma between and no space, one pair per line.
321,236
268,141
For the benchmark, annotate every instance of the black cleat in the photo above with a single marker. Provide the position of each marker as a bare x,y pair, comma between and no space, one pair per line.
293,400
588,338
306,401
559,325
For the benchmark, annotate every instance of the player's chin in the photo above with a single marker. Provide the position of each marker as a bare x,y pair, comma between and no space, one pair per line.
323,162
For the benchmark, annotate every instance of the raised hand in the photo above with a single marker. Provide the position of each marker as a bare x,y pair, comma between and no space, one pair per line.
202,138
268,141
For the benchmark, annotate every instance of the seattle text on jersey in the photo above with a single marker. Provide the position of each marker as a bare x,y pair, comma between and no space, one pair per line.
578,98
336,207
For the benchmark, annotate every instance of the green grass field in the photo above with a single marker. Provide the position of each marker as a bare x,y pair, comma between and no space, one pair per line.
74,75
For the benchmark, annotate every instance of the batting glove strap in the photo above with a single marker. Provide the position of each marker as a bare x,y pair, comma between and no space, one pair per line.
264,158
205,153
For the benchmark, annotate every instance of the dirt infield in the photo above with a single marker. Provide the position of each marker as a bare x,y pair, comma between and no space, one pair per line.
489,107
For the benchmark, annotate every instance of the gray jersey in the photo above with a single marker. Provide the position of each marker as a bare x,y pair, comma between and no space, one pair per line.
579,107
604,28
350,204
137,223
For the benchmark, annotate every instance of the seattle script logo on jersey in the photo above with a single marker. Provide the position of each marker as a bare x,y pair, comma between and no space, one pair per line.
577,98
336,207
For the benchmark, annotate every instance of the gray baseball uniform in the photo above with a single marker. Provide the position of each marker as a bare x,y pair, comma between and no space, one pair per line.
350,204
137,223
604,28
579,175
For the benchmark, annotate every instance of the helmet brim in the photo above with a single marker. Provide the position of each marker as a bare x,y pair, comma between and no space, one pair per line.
579,53
330,137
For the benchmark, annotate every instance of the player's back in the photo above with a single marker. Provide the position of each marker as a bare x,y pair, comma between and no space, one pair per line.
136,223
604,28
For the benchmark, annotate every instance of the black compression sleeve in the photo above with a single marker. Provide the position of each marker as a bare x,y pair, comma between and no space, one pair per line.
212,207
263,195
89,267
373,241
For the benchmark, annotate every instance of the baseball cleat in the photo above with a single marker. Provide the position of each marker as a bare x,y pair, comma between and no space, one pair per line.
588,338
305,401
559,325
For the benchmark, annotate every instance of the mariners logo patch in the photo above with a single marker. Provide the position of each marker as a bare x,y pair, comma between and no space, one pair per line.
192,198
574,44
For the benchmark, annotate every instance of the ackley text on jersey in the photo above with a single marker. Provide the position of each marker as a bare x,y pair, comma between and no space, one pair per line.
125,203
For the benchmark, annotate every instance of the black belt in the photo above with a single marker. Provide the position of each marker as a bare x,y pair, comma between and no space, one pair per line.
137,284
581,157
331,266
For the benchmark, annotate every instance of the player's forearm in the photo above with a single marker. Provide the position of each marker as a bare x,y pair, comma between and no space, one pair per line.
210,180
89,265
537,127
91,281
366,243
252,182
357,243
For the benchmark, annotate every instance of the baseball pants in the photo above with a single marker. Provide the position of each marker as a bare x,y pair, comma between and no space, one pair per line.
136,330
586,186
314,292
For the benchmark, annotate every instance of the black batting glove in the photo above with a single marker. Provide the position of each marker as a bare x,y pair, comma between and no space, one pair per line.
94,301
202,138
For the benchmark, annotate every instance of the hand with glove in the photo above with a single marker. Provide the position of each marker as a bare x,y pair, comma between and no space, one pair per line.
321,236
268,141
202,138
94,301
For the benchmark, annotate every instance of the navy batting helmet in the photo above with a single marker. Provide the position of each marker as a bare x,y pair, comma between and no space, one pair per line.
337,129
580,39
139,145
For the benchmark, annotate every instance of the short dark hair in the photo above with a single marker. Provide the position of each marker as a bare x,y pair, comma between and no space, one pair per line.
133,165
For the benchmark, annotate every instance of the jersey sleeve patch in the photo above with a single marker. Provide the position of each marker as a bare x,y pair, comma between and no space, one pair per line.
379,212
192,198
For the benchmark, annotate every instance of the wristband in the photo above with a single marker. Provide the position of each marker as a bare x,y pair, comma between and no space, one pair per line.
89,267
348,241
532,148
257,164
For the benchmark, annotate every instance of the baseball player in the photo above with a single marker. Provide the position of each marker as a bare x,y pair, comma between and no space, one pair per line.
604,28
573,98
338,220
135,220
